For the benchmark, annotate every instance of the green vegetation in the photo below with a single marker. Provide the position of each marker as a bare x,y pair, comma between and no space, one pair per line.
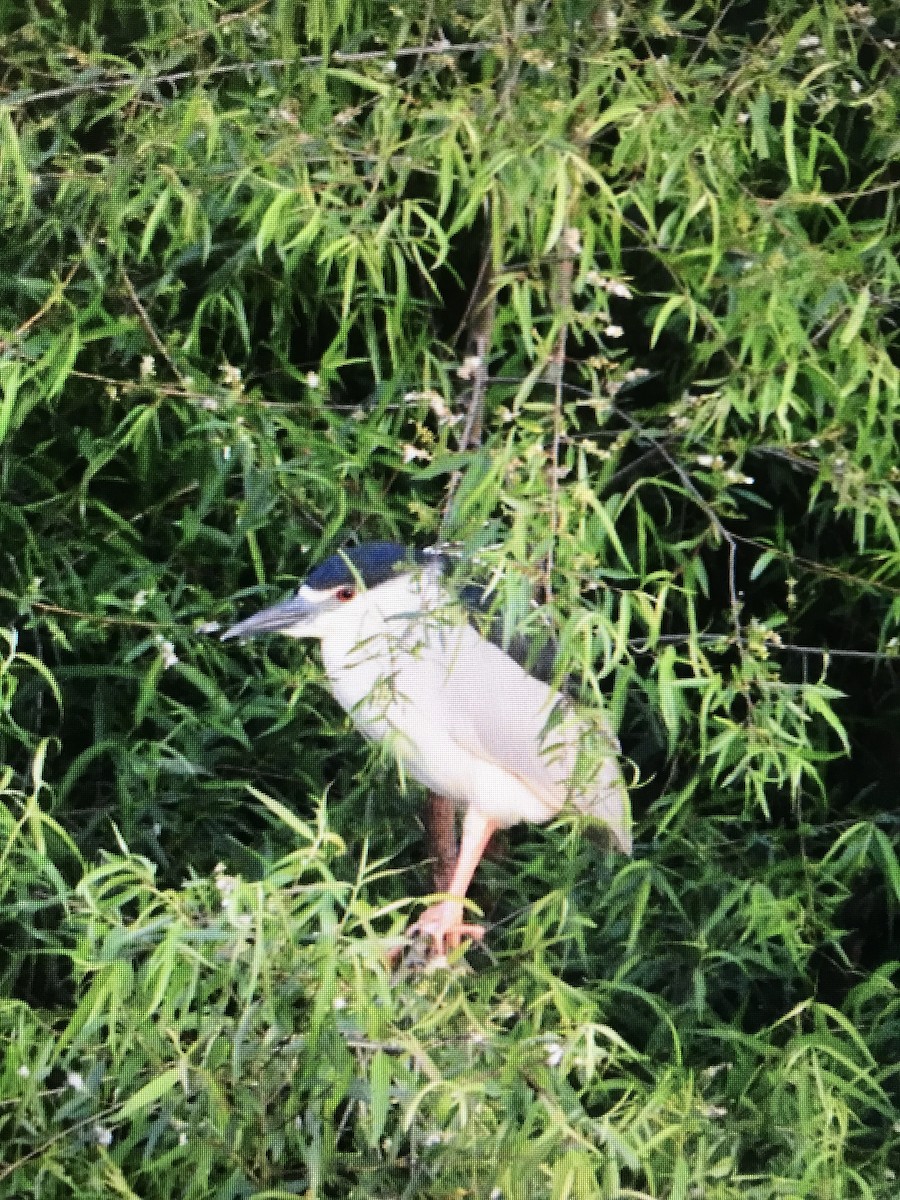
609,294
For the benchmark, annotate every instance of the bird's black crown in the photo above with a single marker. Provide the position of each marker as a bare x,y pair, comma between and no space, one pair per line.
372,562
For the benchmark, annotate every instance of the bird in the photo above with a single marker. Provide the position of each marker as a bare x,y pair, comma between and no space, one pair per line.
462,716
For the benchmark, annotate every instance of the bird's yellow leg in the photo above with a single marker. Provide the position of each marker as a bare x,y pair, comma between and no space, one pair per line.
443,923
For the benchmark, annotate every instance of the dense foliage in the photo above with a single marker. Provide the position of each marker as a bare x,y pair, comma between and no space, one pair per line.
606,294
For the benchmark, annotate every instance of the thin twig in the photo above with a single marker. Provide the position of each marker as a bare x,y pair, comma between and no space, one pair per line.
55,296
97,619
712,516
480,313
154,337
642,646
484,311
563,304
141,82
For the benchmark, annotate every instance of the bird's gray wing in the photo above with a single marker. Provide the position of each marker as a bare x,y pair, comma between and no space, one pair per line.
536,655
506,716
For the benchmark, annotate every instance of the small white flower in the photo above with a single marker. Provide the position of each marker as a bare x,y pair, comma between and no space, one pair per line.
889,44
75,1081
554,1054
595,279
807,42
231,376
862,13
855,87
705,460
712,1071
103,1135
614,331
226,452
209,627
312,380
438,406
733,475
345,116
572,239
148,367
390,66
411,453
433,1139
182,1138
225,883
615,288
743,118
140,599
339,1002
715,1111
469,366
169,656
23,1072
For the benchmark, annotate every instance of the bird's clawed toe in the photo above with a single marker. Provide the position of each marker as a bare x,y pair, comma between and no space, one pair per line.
443,925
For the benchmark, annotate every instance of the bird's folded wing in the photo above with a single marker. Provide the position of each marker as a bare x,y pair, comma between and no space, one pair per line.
505,716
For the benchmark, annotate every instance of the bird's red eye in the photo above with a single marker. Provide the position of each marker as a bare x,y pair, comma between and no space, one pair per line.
345,593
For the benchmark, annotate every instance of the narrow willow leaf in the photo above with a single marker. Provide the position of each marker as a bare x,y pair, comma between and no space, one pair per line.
856,318
150,1093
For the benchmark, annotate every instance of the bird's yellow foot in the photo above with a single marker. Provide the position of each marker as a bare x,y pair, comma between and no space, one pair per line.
443,924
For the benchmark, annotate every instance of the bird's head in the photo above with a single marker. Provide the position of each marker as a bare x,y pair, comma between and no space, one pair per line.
339,592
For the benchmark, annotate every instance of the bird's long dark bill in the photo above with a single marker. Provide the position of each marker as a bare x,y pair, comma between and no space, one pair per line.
272,620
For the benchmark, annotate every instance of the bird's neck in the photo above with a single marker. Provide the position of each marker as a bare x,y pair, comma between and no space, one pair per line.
366,629
365,645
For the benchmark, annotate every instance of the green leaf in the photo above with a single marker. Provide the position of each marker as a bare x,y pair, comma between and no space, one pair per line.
380,1072
150,1093
856,318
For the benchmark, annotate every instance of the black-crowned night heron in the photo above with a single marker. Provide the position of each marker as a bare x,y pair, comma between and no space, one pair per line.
463,717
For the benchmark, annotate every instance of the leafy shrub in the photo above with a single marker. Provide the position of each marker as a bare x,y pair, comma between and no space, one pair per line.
606,295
